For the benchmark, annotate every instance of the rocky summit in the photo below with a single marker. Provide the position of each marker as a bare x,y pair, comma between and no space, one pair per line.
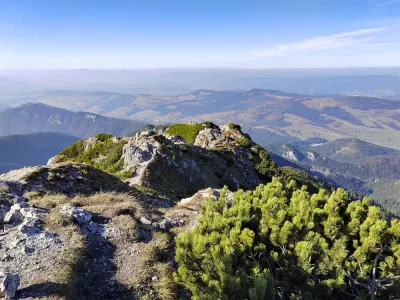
100,220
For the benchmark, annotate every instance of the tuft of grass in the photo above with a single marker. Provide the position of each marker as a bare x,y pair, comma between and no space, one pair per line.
48,201
188,132
127,224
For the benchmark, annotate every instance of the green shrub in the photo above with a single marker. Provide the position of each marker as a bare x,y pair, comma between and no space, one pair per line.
125,174
233,126
278,242
74,150
187,131
244,142
103,137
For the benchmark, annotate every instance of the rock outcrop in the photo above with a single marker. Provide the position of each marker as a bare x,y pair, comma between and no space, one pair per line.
175,168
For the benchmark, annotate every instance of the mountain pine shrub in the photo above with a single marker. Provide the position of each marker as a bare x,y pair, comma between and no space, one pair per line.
280,242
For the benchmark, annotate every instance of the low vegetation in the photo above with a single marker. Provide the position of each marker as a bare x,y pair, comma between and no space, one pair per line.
187,131
103,154
278,242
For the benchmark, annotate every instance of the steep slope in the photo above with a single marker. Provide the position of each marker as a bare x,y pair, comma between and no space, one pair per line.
351,163
181,159
17,151
36,117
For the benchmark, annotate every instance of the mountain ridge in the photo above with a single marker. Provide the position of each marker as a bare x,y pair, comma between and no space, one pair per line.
38,117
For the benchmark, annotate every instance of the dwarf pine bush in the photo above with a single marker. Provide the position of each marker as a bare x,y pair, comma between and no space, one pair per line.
280,242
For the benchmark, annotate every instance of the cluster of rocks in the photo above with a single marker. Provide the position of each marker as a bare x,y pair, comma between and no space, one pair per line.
15,212
165,224
21,236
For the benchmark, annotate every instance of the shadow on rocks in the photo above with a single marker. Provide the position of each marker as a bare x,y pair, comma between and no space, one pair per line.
38,290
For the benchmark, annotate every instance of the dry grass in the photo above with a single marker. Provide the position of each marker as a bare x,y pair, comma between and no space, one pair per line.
4,188
109,204
48,201
151,278
164,284
106,204
126,224
71,259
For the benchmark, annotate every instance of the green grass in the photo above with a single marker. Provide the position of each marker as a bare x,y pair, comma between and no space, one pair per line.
104,154
187,131
125,174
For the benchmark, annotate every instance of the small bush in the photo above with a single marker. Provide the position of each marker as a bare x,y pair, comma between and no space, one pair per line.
244,142
233,126
74,150
103,137
125,174
187,131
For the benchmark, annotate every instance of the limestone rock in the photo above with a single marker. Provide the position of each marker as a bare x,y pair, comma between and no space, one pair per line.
145,221
13,217
79,214
9,284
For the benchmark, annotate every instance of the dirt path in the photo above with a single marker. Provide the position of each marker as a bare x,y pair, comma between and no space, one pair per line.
96,278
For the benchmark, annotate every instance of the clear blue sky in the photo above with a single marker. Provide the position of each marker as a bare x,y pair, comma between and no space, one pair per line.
203,33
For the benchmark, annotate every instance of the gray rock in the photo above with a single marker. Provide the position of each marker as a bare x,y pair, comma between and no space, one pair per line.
19,206
79,214
8,285
164,224
145,221
33,213
13,217
28,229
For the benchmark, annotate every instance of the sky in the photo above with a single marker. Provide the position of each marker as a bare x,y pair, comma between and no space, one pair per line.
58,34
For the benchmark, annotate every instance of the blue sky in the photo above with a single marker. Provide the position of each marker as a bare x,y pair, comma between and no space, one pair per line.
199,34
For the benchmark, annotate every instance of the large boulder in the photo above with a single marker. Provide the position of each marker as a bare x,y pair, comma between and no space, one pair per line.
8,285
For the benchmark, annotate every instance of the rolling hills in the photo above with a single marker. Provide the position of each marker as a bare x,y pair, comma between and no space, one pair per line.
270,116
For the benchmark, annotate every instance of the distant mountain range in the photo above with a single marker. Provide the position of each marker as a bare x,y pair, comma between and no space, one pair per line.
37,117
270,116
18,151
363,167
